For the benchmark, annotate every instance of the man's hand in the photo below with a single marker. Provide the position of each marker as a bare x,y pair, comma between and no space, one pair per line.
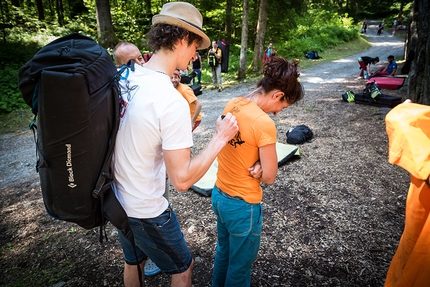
226,127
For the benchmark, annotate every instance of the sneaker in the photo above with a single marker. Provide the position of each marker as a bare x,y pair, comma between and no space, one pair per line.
151,268
220,90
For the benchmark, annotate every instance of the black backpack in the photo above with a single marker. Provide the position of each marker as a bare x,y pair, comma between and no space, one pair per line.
313,55
299,134
71,85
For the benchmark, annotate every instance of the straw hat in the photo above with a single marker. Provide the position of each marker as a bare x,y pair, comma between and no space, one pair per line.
183,15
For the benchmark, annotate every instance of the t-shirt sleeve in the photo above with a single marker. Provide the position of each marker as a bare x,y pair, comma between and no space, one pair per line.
176,126
265,131
188,94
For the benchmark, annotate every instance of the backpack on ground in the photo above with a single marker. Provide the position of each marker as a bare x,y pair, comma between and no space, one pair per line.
313,55
299,134
348,96
372,91
71,85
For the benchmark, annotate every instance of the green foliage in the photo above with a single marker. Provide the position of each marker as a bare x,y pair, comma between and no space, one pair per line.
318,30
10,98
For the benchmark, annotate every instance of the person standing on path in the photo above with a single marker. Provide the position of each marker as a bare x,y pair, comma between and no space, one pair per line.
268,53
216,54
246,161
154,139
196,65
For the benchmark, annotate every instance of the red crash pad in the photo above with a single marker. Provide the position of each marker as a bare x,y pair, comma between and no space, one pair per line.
388,83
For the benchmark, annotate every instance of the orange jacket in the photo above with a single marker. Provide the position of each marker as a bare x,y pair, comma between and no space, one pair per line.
408,129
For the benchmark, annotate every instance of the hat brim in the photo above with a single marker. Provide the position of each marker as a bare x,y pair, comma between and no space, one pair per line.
165,19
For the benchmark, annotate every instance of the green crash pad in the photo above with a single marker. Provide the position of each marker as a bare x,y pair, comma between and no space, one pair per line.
206,183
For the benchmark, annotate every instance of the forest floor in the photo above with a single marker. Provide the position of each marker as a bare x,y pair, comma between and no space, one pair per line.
333,217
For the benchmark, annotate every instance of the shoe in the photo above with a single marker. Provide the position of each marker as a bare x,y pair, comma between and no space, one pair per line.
220,90
151,268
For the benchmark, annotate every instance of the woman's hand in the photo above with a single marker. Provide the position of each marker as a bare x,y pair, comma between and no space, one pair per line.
256,171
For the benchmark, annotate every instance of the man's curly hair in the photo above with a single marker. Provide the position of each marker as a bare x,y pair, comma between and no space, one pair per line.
165,36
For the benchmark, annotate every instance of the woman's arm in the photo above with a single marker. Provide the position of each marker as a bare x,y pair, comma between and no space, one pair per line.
269,163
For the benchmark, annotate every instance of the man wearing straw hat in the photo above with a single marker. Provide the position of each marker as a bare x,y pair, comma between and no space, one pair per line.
154,138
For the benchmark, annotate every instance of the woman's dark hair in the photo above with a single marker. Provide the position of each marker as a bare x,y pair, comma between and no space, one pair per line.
165,36
375,60
280,74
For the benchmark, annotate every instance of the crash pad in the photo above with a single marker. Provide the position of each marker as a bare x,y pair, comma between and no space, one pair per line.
388,83
204,186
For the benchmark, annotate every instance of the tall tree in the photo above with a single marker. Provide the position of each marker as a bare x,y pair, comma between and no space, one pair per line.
105,33
60,12
228,20
244,41
260,35
419,75
40,10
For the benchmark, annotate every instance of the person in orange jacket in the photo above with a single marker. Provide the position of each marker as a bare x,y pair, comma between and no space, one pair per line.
408,129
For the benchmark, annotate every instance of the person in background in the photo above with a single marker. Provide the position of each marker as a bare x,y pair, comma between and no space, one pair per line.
268,53
154,139
388,71
124,52
365,62
408,130
188,94
364,26
246,161
216,52
196,65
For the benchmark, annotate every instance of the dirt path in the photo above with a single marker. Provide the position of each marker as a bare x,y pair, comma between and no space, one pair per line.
333,217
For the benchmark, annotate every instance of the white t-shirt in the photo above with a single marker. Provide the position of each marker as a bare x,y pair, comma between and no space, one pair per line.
157,117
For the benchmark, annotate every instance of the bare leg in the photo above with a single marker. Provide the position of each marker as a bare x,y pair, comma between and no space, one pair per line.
131,277
183,279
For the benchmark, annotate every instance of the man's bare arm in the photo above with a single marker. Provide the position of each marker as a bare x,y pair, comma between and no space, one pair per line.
184,171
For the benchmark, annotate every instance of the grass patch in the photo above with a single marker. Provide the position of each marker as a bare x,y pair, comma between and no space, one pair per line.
15,121
340,51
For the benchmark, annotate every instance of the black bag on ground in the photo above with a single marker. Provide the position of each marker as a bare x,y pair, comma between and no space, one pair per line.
197,89
71,86
382,100
299,134
313,55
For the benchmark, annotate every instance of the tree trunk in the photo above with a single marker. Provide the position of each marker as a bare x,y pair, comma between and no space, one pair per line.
418,82
40,10
105,33
148,8
244,41
260,35
228,20
60,12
